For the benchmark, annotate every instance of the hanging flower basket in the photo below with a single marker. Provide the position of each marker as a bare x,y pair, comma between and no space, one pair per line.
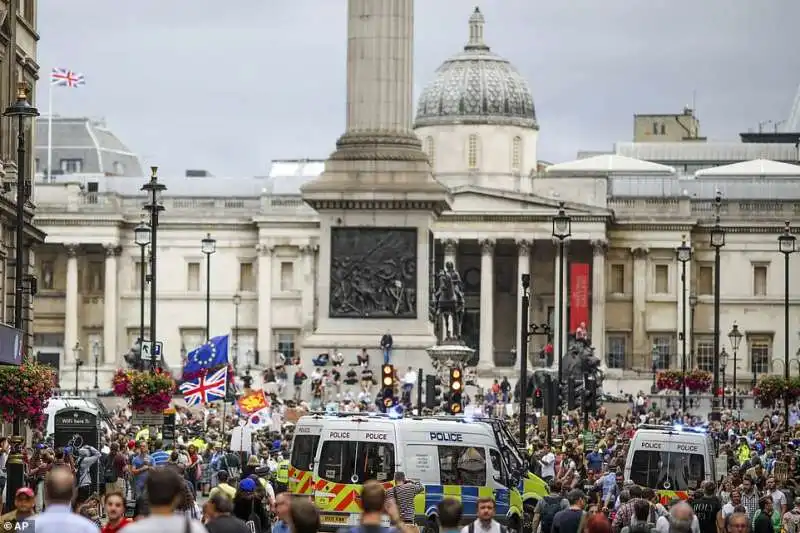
669,380
26,390
770,389
145,390
698,380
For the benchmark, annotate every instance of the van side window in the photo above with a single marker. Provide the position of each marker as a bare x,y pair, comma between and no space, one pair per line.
462,465
375,461
304,450
337,461
497,466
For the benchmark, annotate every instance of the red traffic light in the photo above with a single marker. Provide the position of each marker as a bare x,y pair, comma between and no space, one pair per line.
537,392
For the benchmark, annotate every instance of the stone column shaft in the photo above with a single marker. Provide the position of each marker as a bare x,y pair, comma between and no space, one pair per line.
598,320
523,267
309,254
265,350
380,54
641,348
487,304
560,296
71,305
110,299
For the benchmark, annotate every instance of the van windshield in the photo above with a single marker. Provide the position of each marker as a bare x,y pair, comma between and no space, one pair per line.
356,462
304,448
667,470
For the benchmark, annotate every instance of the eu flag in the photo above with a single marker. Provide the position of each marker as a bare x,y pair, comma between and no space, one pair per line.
212,354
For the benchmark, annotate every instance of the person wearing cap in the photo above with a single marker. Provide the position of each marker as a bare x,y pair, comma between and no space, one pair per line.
245,508
24,501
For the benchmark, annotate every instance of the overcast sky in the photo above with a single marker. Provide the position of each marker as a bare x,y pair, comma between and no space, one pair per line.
228,86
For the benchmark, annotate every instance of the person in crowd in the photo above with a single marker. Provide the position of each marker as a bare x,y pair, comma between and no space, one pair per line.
791,519
59,493
218,511
570,520
376,504
485,521
165,491
245,508
708,509
762,521
24,510
283,503
386,347
304,517
403,493
681,519
223,486
115,513
449,513
141,463
87,457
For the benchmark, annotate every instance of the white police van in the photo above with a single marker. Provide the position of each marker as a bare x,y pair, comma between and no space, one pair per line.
673,460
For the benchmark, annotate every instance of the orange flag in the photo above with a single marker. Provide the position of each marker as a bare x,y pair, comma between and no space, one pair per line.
255,401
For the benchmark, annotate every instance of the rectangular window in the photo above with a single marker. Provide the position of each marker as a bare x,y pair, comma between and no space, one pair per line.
649,468
285,343
46,269
705,280
348,461
616,351
760,355
662,279
193,277
759,280
94,276
71,166
191,339
304,449
662,348
704,354
287,276
462,465
617,279
247,281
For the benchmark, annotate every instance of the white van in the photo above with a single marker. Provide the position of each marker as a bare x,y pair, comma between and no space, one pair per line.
673,460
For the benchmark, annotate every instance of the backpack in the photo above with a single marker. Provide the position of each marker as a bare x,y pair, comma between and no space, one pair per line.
550,506
109,472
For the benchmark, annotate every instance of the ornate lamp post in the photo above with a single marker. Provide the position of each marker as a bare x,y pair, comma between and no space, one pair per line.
717,242
562,230
96,355
654,355
684,254
723,365
141,235
692,311
735,338
76,353
208,246
237,301
787,246
154,189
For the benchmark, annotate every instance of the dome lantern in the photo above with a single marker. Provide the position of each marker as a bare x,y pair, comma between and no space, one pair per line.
476,22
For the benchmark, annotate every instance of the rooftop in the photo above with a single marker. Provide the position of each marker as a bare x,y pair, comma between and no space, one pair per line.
712,153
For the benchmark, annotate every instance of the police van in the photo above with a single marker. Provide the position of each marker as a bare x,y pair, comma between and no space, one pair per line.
451,457
672,460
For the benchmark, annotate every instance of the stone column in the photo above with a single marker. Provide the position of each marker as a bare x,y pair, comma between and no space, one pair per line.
598,323
487,304
71,304
559,337
523,267
641,347
266,353
110,299
308,253
450,248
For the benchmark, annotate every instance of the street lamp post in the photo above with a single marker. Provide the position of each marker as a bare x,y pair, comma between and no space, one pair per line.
76,353
155,189
735,338
237,301
526,331
96,355
723,366
654,354
684,253
787,245
141,235
208,246
717,242
692,309
562,230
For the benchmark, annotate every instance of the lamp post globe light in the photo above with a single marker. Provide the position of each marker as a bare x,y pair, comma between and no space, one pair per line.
717,242
141,236
684,254
562,230
208,246
237,301
155,189
735,338
787,245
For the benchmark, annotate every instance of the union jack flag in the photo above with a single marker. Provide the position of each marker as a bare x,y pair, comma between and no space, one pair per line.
61,77
205,388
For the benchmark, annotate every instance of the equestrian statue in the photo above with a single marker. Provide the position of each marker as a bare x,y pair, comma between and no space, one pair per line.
449,297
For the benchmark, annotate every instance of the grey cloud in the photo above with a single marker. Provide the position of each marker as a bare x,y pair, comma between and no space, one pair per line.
188,84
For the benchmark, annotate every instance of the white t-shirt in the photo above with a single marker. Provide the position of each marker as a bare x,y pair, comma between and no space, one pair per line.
778,500
662,525
548,463
494,527
727,509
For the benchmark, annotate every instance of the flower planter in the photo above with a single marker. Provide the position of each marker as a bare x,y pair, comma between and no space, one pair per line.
146,391
26,390
696,380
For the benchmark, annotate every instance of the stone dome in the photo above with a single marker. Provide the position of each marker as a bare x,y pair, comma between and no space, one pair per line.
477,86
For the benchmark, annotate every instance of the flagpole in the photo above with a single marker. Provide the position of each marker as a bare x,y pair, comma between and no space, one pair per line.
50,133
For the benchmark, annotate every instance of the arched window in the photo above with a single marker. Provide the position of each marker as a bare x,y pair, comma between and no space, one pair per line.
430,149
472,152
516,153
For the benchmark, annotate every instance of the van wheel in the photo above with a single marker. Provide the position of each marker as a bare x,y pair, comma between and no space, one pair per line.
527,517
431,525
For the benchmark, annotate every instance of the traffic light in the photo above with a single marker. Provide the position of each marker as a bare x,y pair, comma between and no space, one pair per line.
456,391
552,397
571,400
433,391
538,401
387,386
590,395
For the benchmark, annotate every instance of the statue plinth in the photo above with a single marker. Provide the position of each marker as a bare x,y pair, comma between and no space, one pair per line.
451,352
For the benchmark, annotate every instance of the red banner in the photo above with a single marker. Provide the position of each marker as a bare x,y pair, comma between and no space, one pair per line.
578,295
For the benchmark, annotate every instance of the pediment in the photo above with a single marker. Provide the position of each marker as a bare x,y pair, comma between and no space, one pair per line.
473,199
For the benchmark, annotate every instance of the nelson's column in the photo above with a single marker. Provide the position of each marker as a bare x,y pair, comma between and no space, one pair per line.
376,200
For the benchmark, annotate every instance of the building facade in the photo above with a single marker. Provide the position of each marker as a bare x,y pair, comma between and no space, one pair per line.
477,122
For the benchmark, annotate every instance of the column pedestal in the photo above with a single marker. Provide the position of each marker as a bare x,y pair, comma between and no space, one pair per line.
486,353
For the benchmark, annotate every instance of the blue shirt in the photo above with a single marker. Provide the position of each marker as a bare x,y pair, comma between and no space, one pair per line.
58,518
280,527
594,460
159,458
137,462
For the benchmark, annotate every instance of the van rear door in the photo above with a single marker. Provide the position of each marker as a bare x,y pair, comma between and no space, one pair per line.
304,449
